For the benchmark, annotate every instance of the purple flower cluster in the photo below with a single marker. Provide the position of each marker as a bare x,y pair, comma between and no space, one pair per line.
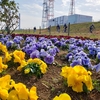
82,51
10,42
42,48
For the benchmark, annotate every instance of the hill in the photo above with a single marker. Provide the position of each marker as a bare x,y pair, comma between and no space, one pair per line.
79,29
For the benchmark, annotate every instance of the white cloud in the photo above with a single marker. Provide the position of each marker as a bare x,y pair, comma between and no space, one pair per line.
32,9
32,6
93,2
65,2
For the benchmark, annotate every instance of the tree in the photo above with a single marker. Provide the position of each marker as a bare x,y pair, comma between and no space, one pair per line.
9,18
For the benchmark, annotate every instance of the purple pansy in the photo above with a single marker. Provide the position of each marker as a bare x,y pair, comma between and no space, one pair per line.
69,56
52,51
9,43
98,55
43,53
49,59
97,67
35,54
86,62
54,40
76,62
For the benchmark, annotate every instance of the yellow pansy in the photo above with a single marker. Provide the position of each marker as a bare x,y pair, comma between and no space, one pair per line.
22,64
80,70
22,91
71,79
66,71
76,76
37,60
3,47
5,82
63,96
18,56
12,83
75,82
33,94
13,95
78,87
4,94
2,66
88,82
89,73
27,70
43,65
7,57
30,60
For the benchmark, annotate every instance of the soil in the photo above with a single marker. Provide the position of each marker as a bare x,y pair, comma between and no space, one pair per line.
52,84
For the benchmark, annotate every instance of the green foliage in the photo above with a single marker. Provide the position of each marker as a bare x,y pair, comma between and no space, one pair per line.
97,60
96,84
86,50
65,82
85,89
8,16
1,53
34,69
3,73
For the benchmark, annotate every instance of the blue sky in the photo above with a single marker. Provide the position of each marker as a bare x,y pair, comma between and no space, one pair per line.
31,10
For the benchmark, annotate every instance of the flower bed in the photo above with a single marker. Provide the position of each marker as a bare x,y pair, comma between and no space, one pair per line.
37,61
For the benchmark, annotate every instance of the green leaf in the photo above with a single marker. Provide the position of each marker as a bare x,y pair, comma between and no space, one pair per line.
85,89
96,84
32,70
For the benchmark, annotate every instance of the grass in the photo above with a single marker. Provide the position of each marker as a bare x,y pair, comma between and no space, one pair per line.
80,29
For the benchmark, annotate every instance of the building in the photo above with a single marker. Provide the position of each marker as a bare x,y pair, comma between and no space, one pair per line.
72,19
58,20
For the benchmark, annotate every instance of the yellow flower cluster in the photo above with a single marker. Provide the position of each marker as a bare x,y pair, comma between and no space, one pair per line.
63,96
43,65
2,66
9,90
77,76
3,48
7,57
19,56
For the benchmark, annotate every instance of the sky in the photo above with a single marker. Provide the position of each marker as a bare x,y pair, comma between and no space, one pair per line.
31,10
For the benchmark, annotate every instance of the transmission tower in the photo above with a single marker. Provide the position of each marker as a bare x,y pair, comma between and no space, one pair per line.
48,12
72,7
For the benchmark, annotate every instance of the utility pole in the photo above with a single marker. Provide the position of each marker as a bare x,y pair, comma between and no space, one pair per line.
19,21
